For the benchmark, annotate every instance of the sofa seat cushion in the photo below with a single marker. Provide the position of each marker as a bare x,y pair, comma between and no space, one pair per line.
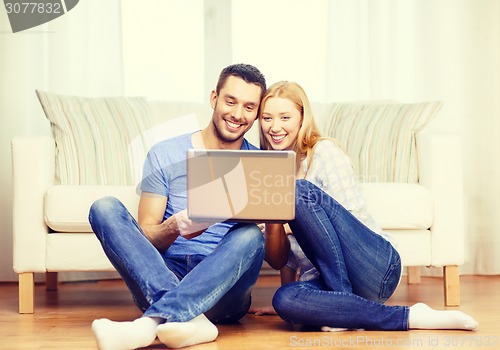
394,206
399,206
75,252
414,246
67,207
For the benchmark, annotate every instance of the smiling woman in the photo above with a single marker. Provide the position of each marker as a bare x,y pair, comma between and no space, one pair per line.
280,123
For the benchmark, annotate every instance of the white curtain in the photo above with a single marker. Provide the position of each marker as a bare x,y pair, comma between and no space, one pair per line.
340,50
78,53
432,50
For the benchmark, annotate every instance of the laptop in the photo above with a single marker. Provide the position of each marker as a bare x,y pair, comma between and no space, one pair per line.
242,186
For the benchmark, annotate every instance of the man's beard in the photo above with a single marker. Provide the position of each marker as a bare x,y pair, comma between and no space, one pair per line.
224,138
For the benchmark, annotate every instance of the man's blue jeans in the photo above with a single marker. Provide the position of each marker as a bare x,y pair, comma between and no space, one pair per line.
359,269
181,287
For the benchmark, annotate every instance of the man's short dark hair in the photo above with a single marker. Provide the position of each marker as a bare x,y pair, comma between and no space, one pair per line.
247,72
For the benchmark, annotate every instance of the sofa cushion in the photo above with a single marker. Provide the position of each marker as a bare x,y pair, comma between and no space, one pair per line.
92,136
75,252
67,207
414,246
139,146
399,206
394,206
380,138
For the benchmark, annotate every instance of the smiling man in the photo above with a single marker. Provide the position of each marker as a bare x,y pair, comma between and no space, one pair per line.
177,277
235,103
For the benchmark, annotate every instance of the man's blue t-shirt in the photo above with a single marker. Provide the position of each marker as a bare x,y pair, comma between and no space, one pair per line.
165,174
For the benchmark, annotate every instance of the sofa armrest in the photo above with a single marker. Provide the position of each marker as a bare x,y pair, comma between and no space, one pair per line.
441,171
33,167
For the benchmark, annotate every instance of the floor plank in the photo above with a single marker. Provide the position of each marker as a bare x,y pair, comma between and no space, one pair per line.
62,319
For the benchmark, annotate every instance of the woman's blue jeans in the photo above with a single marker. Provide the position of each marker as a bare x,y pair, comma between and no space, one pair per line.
180,287
359,269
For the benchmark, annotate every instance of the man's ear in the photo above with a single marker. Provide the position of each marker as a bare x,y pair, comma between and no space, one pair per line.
213,99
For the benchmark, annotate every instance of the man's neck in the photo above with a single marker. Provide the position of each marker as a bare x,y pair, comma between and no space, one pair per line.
208,139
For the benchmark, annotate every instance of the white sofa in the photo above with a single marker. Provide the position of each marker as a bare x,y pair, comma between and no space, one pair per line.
52,233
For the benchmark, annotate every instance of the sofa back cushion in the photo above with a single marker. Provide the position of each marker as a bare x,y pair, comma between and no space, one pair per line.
380,138
104,141
92,136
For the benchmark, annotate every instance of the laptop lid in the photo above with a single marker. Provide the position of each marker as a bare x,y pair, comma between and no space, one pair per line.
243,186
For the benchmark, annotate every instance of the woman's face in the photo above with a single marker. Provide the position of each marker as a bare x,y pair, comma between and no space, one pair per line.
280,122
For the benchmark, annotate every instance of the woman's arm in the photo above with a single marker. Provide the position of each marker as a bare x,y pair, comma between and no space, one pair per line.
287,275
277,246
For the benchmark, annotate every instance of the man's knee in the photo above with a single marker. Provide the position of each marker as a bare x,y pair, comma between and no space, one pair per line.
104,205
102,210
249,236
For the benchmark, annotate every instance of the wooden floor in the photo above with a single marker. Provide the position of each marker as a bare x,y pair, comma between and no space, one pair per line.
62,319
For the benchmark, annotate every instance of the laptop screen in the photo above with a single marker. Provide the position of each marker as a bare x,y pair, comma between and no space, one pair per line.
243,186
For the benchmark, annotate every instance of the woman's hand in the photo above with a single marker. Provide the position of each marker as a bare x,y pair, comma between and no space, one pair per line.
261,311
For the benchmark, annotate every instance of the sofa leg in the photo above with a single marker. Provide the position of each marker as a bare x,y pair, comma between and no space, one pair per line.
413,274
26,293
451,285
51,281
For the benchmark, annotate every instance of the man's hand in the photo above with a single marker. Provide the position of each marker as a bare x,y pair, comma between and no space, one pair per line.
262,227
188,228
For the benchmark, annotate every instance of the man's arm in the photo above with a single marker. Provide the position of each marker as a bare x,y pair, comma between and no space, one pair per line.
151,211
163,233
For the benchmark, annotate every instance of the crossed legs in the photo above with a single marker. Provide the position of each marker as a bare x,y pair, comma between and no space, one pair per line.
174,307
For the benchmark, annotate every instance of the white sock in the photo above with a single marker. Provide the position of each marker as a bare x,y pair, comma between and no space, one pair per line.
332,329
422,316
112,335
180,334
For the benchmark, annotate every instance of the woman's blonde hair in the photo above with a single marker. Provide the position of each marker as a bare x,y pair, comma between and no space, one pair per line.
309,133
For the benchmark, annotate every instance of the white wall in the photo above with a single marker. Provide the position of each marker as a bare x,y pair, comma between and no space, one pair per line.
163,54
287,40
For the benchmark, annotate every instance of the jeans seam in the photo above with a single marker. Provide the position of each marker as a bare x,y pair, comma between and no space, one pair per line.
383,287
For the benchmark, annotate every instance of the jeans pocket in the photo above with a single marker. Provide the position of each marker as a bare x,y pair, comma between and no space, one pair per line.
390,281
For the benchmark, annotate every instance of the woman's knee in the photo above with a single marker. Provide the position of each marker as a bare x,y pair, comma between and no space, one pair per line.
284,301
305,192
303,187
308,194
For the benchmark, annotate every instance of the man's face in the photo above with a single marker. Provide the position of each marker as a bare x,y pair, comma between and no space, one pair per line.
235,108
